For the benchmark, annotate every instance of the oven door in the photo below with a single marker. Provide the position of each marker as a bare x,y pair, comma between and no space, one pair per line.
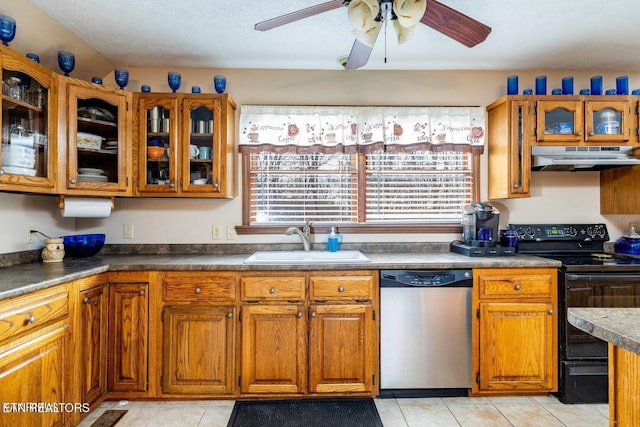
593,290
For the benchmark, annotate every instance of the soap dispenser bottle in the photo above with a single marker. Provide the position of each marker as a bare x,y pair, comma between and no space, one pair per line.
333,241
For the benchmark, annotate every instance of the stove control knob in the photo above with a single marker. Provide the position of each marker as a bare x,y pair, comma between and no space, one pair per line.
571,231
531,232
590,231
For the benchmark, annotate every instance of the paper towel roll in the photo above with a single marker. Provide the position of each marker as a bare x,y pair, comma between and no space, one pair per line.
86,207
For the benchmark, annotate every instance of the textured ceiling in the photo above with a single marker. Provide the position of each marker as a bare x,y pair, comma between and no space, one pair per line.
543,34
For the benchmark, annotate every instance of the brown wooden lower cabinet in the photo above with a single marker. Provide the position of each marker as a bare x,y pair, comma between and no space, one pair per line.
128,337
341,348
515,335
34,357
274,349
93,342
311,333
199,348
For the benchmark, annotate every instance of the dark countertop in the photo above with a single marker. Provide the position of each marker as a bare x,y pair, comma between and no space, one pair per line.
24,278
619,326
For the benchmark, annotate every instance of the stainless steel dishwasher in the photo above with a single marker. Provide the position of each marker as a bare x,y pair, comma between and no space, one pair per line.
425,332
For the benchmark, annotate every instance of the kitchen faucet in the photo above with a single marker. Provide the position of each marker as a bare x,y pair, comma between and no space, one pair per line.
305,234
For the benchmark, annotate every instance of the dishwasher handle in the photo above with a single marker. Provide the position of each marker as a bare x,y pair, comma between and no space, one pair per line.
426,278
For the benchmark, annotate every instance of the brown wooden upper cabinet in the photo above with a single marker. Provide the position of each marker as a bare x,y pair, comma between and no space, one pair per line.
185,145
98,155
585,120
29,128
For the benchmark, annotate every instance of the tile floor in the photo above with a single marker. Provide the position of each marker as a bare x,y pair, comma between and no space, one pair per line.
539,411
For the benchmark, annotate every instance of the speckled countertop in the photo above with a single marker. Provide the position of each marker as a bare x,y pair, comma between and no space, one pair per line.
23,278
619,326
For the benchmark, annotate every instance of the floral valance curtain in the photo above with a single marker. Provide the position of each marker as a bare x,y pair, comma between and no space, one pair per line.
307,129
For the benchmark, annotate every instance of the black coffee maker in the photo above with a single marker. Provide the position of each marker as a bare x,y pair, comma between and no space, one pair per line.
480,223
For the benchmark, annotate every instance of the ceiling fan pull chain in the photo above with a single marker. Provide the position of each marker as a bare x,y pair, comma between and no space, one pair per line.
385,40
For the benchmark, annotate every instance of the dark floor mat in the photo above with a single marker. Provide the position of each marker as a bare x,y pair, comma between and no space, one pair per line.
109,418
305,413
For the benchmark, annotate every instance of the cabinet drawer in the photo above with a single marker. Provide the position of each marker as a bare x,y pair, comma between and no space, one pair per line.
30,312
198,286
534,283
341,287
273,288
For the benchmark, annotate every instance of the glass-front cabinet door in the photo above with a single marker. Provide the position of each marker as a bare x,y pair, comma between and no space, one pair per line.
608,120
99,146
559,120
157,121
29,131
201,118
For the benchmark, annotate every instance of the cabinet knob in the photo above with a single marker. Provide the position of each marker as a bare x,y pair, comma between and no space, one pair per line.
272,290
229,315
517,287
198,290
591,133
580,133
550,311
85,300
172,184
141,292
341,289
215,185
299,314
73,181
314,314
31,318
1,172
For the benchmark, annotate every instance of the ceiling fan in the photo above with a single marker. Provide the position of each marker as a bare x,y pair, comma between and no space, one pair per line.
367,16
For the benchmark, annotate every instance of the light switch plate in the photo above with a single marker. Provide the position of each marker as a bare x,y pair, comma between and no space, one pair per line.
231,232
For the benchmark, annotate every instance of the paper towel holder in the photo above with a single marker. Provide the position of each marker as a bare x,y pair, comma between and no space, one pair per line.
61,202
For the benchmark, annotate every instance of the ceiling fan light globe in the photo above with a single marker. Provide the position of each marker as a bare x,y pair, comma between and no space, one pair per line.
409,12
367,37
362,14
404,33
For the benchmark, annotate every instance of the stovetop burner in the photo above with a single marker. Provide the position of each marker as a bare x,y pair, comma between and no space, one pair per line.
577,246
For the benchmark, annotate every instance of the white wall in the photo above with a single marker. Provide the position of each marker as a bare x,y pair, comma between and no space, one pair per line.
557,196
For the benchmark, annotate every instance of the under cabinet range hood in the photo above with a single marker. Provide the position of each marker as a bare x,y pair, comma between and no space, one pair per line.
581,158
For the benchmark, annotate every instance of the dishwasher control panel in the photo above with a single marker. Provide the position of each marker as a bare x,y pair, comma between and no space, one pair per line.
426,278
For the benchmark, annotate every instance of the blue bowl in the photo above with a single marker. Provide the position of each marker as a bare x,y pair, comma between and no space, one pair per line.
83,245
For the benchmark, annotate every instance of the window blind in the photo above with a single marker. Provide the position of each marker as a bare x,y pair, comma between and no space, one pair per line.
291,188
424,186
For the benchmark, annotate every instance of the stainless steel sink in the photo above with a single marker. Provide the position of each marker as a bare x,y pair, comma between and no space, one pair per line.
307,257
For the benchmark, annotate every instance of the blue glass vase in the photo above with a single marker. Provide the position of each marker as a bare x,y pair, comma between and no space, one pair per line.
122,77
174,79
66,61
7,29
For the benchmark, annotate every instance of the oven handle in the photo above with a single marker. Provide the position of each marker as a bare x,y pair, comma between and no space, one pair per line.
600,276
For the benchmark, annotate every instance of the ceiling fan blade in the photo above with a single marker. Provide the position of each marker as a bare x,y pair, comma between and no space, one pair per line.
454,24
360,52
359,55
296,16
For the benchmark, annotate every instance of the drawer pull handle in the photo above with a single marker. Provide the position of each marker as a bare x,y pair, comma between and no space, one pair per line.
550,312
141,292
517,287
31,318
198,290
299,314
341,289
229,315
314,314
272,290
85,300
363,300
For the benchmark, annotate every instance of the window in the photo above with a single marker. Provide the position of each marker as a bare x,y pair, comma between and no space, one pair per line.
334,176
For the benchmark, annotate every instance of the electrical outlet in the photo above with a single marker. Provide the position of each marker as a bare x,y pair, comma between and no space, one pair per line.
231,232
216,232
31,237
127,231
